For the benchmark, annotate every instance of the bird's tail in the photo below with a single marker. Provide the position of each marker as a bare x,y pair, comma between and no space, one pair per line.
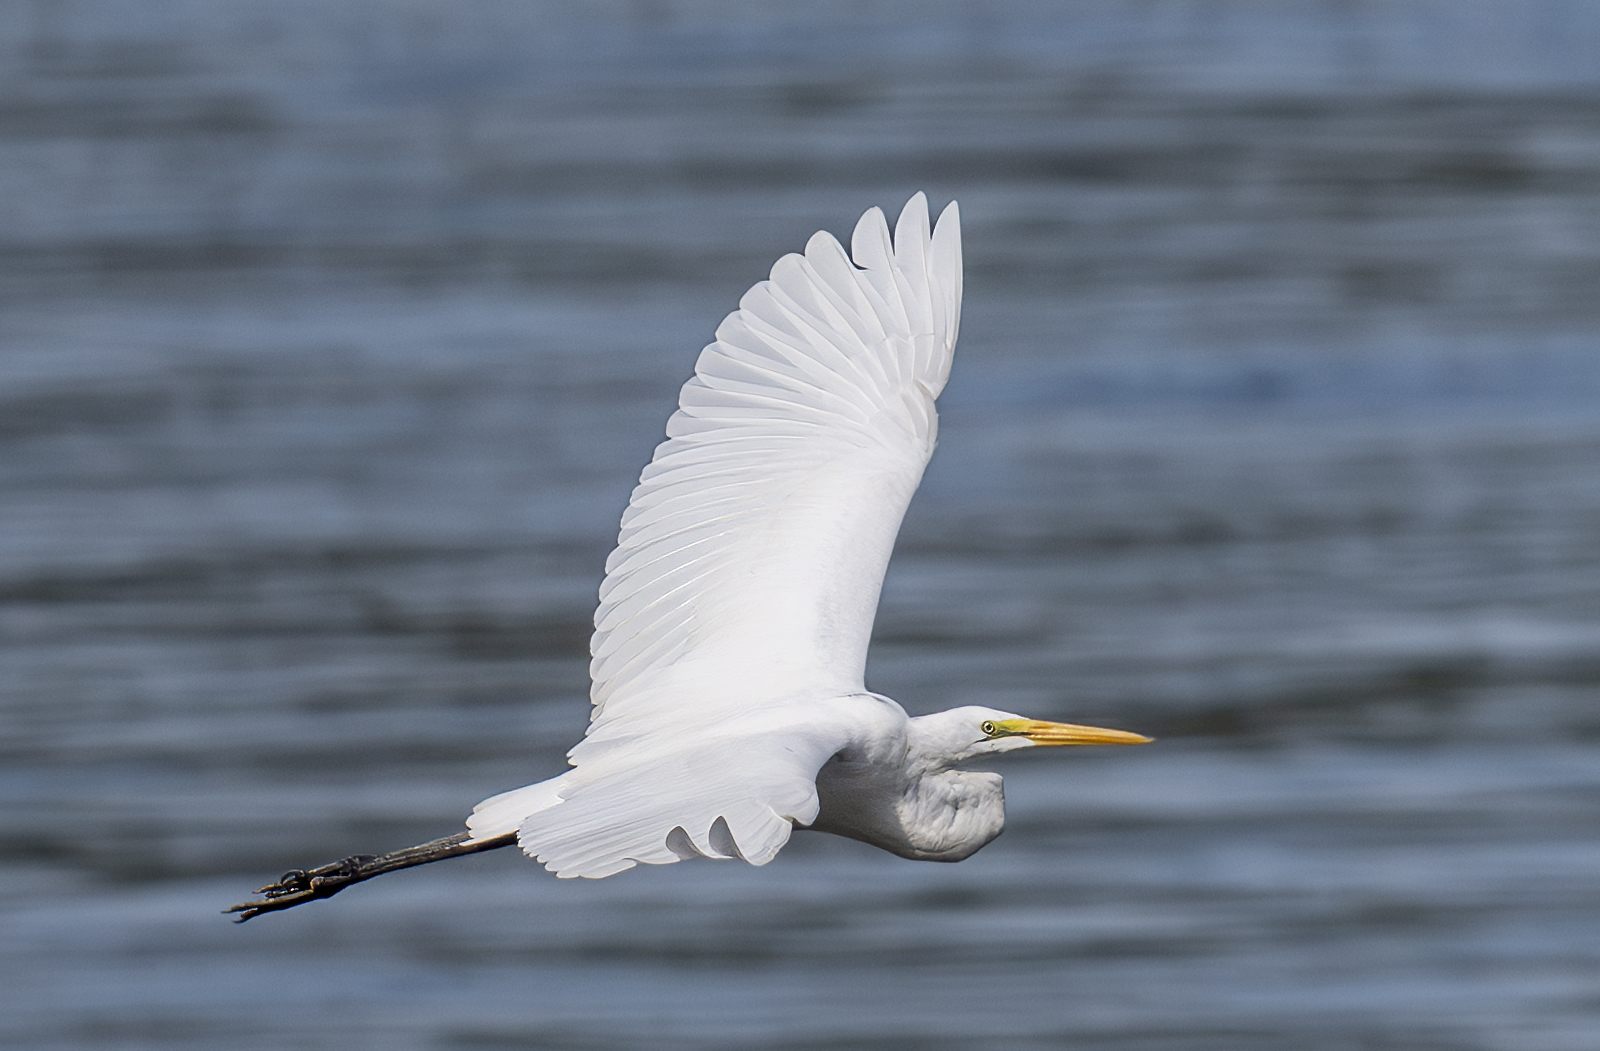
503,814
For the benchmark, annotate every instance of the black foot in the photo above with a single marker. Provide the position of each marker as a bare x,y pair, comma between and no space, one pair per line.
299,886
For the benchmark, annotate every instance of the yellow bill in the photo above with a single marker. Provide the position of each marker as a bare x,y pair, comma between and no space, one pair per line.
1046,733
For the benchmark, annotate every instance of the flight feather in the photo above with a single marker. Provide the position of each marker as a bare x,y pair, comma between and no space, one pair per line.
751,554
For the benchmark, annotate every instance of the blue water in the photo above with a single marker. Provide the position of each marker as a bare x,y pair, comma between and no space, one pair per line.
333,337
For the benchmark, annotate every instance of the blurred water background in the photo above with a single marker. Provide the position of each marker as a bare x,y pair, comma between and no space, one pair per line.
333,336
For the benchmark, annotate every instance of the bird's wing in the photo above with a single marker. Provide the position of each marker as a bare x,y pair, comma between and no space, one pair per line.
752,552
737,607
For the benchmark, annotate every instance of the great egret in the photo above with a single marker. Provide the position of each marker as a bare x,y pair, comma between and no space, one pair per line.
731,638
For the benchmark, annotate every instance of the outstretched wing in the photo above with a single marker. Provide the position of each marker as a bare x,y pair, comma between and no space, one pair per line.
741,595
753,549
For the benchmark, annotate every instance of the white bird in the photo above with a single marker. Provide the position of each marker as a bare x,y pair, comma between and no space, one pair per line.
730,642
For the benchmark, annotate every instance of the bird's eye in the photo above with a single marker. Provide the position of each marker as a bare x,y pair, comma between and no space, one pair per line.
988,729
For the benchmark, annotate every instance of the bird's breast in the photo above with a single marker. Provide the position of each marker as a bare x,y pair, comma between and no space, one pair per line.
944,816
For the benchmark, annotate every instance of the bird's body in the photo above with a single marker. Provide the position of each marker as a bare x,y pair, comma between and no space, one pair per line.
730,642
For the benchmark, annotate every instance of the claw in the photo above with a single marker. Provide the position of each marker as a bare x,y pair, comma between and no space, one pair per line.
300,885
291,881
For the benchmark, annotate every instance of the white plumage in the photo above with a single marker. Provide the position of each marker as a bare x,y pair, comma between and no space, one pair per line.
731,638
746,574
754,545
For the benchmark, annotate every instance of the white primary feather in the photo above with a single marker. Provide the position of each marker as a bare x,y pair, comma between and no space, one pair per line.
753,548
746,575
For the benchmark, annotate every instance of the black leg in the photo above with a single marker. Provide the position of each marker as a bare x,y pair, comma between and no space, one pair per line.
302,885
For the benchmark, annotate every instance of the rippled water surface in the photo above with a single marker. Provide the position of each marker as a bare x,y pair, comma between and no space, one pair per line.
333,336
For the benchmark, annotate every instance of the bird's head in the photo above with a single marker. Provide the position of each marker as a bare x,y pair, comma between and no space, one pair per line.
961,734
